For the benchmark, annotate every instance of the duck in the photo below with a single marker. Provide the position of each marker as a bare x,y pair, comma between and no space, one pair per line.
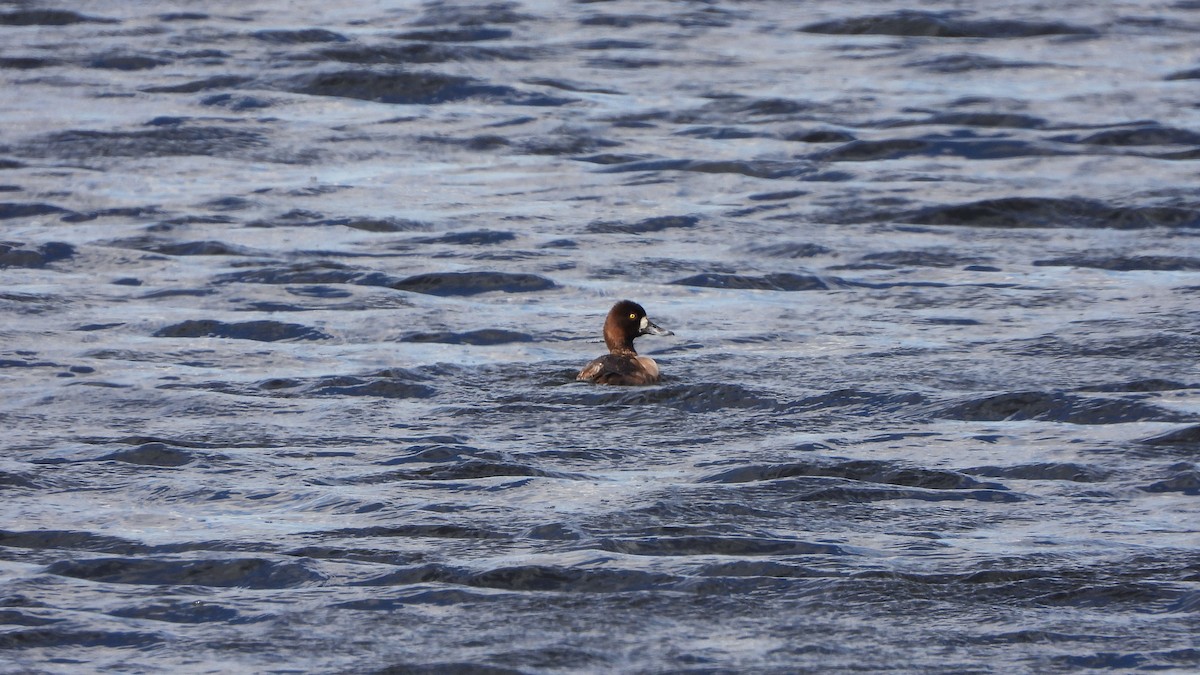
622,365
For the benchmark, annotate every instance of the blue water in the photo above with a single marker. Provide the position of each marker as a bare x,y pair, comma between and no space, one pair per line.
295,293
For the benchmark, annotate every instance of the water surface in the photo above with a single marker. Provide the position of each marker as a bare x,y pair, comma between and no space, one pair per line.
295,292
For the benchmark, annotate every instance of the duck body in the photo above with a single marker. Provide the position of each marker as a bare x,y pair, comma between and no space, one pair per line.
622,365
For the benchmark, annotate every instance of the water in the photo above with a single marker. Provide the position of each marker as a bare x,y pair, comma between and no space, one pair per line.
294,295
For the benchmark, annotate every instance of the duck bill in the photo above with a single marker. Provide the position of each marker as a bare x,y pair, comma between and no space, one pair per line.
650,328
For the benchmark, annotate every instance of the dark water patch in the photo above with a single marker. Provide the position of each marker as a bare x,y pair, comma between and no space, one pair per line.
969,148
716,545
71,540
480,142
776,196
176,141
48,17
128,62
404,87
1123,263
910,23
151,454
315,272
868,151
190,611
256,573
950,321
10,479
475,238
27,62
766,169
1188,436
130,212
485,336
783,281
563,85
1045,212
471,469
1068,471
1147,385
214,82
462,34
991,120
695,398
929,258
181,248
867,471
626,62
530,578
19,618
471,15
965,63
322,292
379,224
654,224
17,255
177,292
52,638
792,250
296,37
1192,74
237,103
1057,407
818,136
723,108
9,210
473,283
1137,136
261,331
424,52
430,530
305,218
1185,482
605,44
608,158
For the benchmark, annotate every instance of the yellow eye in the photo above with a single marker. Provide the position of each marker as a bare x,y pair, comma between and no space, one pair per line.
633,316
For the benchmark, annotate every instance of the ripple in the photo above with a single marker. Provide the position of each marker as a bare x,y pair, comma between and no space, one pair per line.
17,255
409,88
785,281
655,224
473,283
152,454
1057,407
236,572
942,24
1125,263
1023,212
716,545
483,336
261,331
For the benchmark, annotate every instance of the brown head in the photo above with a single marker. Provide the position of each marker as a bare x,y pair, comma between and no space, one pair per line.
626,321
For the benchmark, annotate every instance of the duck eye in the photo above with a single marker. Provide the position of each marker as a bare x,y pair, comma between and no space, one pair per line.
633,316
